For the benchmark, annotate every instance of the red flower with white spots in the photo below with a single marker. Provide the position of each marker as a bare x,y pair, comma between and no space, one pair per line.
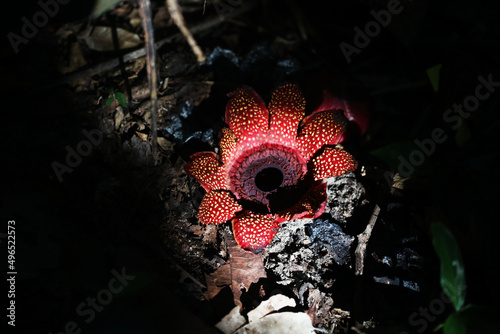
271,165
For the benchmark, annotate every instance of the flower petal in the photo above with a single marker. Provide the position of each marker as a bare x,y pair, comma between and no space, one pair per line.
217,207
207,170
254,231
357,110
311,205
332,162
320,128
287,109
247,116
227,145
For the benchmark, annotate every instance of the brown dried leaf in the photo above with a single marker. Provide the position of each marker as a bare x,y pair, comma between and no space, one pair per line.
217,280
246,268
243,269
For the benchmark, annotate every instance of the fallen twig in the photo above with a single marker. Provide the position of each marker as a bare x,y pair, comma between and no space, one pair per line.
147,26
176,14
363,238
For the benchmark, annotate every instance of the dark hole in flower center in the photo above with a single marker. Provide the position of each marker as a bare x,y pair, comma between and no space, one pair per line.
269,179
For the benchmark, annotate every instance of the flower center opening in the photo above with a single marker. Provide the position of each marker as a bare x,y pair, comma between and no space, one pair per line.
263,175
269,179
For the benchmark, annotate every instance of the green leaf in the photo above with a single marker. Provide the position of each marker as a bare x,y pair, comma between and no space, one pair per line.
480,319
438,327
122,100
452,267
433,74
404,157
454,324
463,134
103,5
109,101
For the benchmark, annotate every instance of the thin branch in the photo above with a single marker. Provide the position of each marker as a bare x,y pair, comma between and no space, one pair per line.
145,12
364,236
363,239
176,14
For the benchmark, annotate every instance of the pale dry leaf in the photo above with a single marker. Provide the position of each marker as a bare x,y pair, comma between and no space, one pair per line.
274,303
142,136
135,18
261,322
165,144
231,321
101,38
286,322
119,117
101,6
